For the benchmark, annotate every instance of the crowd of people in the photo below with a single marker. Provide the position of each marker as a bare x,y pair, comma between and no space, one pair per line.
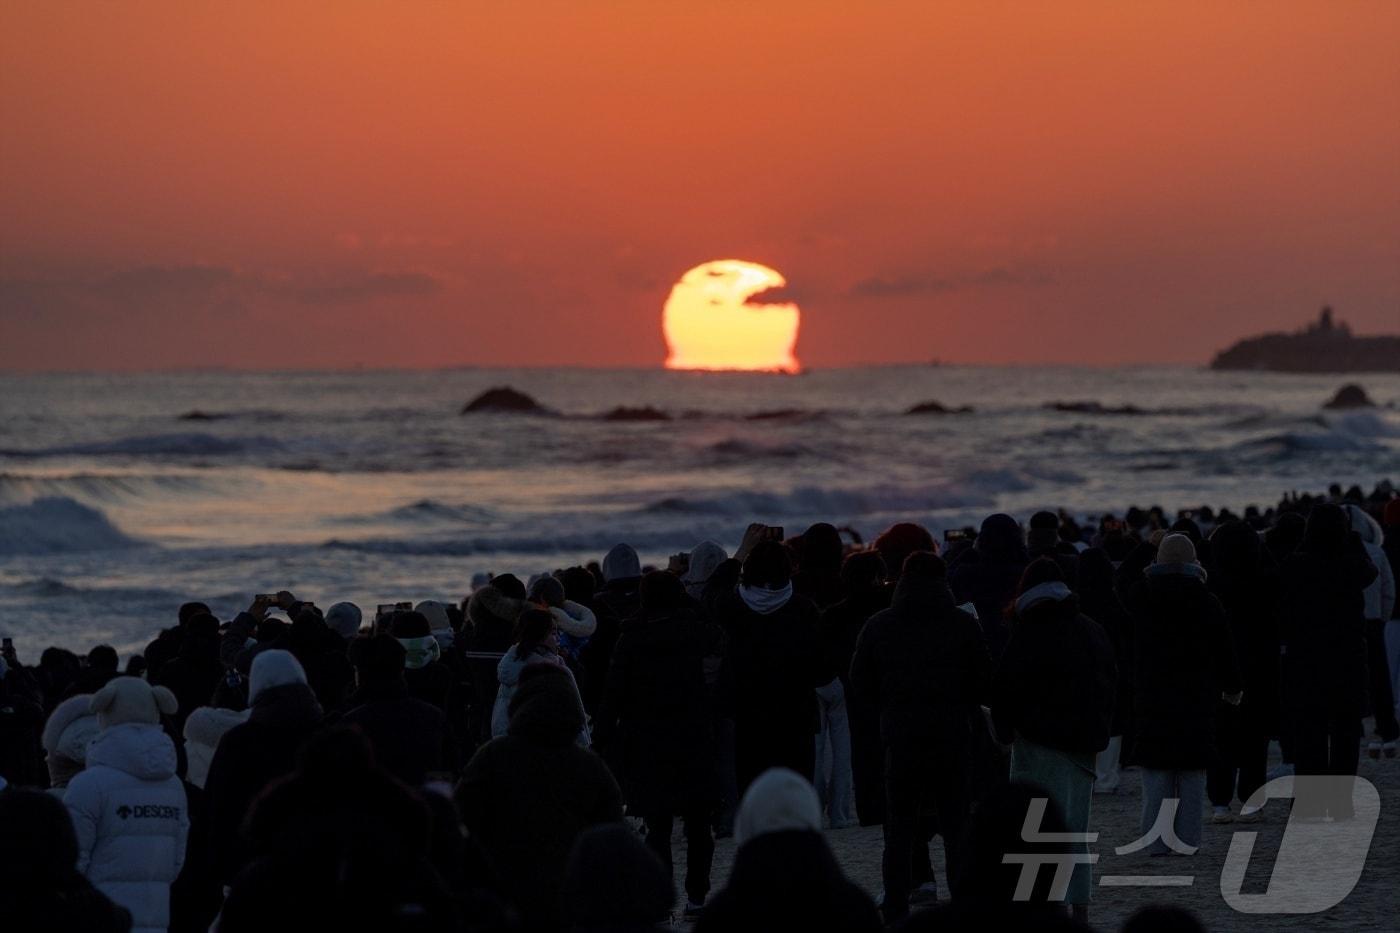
519,760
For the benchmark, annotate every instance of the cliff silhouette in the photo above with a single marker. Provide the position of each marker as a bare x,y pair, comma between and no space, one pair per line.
1325,346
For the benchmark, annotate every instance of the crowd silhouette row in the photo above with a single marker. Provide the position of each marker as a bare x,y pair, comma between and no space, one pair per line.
520,760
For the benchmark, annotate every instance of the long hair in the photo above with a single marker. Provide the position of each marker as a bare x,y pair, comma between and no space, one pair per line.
532,630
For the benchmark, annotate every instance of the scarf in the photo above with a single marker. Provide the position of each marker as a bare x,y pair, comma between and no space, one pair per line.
419,652
763,600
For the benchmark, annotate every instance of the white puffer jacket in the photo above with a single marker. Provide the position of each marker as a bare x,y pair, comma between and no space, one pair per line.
131,818
1380,595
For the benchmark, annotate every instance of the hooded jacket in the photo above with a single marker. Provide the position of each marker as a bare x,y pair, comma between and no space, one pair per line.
130,815
1055,683
988,573
1380,595
248,758
923,663
1322,625
1183,660
491,617
508,673
527,795
204,728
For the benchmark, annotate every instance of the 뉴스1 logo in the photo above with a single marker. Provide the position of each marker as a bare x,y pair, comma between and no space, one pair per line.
1318,863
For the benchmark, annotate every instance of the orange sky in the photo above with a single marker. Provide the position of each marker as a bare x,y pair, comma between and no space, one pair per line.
288,184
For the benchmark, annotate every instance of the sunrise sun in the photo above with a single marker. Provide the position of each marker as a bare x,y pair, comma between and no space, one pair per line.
709,322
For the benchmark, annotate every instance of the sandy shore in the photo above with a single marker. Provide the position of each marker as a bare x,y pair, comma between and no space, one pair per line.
1374,904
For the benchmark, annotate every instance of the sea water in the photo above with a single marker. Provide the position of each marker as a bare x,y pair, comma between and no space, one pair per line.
370,486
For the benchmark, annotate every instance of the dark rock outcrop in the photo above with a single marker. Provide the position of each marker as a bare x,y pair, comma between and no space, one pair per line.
504,399
938,408
645,413
1350,396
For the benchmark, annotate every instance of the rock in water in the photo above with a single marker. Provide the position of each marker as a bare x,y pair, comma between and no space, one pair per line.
938,408
645,413
1350,395
504,399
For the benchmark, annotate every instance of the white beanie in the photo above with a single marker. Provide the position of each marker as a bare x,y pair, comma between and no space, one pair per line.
273,668
704,561
436,614
779,800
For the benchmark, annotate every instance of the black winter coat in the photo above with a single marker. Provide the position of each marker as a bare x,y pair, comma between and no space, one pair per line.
988,579
526,796
654,724
491,619
249,757
409,737
1252,606
616,603
923,663
771,669
1183,660
788,881
1323,630
1055,683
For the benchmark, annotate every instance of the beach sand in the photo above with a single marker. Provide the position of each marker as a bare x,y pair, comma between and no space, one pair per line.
1374,904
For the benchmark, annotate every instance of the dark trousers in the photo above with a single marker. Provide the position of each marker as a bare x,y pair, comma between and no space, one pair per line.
699,848
1325,743
1382,697
1241,757
917,775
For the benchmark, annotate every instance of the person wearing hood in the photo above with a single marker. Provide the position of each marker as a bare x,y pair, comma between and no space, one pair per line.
67,732
924,665
615,884
283,711
1183,665
527,795
195,670
338,844
617,601
705,559
1043,540
41,890
1380,605
1099,601
988,573
654,724
861,782
1052,701
536,642
818,575
128,807
785,876
409,735
774,661
1248,587
491,616
1323,631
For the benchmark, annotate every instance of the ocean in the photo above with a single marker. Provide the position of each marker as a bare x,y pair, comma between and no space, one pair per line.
370,486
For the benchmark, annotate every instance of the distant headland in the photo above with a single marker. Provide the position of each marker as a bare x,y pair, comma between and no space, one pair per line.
1325,346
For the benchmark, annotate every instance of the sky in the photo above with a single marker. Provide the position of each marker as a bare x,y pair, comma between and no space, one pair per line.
288,184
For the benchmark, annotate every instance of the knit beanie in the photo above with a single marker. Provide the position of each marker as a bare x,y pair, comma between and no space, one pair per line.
273,668
779,800
436,614
1176,549
131,699
344,619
